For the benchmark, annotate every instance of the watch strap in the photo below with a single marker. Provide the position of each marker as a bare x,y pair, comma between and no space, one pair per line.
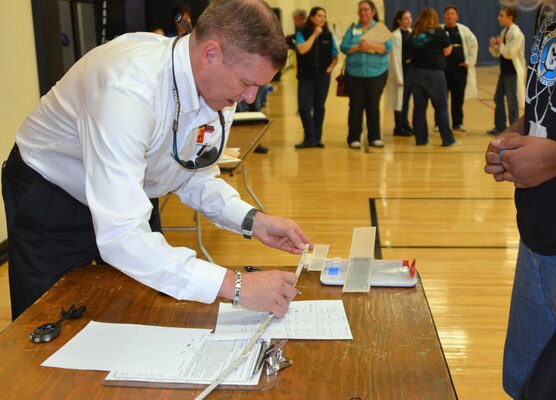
247,224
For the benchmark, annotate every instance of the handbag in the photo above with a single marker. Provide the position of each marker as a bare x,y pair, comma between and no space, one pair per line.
341,90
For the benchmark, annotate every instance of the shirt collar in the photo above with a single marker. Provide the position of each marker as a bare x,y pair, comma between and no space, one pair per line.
190,100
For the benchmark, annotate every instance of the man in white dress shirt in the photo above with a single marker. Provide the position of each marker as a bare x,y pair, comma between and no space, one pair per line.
510,48
133,120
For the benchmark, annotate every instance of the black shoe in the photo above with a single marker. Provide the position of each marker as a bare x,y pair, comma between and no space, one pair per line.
320,145
494,132
304,145
261,149
402,132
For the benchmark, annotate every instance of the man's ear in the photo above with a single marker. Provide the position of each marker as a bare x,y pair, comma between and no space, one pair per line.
211,54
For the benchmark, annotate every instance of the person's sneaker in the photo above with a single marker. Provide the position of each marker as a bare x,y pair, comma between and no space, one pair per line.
320,145
459,128
355,145
493,131
304,145
455,143
377,143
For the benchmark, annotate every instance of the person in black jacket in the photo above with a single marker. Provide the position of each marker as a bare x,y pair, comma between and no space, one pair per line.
317,54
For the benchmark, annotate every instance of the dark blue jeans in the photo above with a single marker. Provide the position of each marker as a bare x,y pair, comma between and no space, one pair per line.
430,84
400,117
311,96
532,320
506,87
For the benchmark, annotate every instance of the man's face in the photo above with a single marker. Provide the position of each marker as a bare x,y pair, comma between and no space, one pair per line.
232,82
299,21
504,19
451,17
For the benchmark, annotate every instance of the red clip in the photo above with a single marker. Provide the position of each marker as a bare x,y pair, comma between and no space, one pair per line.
412,269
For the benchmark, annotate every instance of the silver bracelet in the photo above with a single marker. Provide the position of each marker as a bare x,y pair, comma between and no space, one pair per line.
237,291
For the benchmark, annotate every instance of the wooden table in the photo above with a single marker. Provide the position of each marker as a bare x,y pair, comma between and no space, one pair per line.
395,353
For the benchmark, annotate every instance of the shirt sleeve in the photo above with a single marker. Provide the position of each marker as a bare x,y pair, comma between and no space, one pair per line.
334,52
115,130
388,45
347,41
514,41
299,38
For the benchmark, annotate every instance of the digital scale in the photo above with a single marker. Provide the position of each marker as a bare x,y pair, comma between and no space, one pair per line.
388,273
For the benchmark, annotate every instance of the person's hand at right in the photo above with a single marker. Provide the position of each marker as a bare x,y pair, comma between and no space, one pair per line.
270,291
493,164
527,161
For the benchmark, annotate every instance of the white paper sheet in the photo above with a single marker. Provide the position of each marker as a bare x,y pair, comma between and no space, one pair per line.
155,354
317,319
106,347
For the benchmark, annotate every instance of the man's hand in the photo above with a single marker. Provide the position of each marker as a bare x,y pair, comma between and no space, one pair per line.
527,161
270,291
279,233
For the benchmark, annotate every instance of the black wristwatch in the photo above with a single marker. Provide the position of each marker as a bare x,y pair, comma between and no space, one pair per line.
247,224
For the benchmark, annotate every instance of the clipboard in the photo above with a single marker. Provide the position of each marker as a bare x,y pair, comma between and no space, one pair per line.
249,117
266,383
378,33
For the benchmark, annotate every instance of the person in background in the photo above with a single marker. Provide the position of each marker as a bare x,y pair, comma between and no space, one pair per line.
180,28
524,154
510,48
429,46
299,19
132,120
397,86
317,54
366,75
461,78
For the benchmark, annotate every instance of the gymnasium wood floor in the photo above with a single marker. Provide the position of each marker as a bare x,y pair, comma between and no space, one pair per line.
434,204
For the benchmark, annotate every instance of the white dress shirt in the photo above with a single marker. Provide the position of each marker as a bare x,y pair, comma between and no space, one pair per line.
104,135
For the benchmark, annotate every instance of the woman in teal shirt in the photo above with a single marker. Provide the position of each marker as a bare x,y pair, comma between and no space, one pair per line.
366,74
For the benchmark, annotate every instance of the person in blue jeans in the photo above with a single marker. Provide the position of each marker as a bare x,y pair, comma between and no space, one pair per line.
429,46
317,54
524,154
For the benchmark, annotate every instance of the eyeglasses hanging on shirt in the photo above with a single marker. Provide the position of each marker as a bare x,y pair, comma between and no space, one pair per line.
207,155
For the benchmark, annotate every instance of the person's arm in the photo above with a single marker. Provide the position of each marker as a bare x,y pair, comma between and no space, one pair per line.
303,46
443,38
472,48
379,48
514,42
334,54
349,44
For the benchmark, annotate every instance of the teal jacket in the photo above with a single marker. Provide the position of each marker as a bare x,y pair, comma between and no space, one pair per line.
363,65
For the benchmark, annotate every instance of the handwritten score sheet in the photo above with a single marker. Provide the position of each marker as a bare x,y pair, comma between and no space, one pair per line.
318,319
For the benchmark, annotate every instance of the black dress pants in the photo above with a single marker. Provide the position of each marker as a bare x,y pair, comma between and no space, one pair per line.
49,232
456,80
364,96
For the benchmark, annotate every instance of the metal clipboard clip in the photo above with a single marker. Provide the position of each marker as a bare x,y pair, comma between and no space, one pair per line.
273,356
